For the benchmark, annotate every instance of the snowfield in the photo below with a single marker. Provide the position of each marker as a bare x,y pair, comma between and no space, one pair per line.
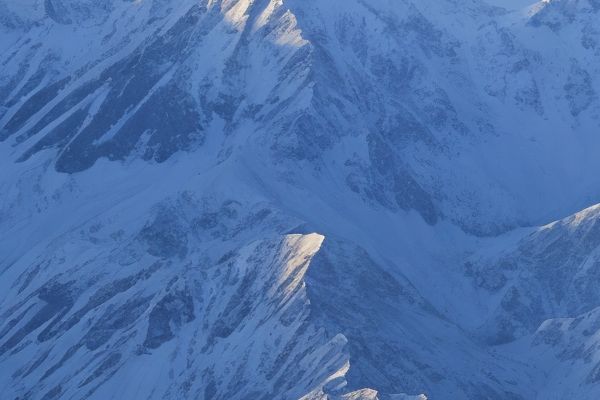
299,199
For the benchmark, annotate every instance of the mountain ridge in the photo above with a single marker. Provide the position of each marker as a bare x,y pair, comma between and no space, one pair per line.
170,169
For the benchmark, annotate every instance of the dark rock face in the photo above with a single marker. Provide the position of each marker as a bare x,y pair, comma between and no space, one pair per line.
115,319
375,361
172,311
136,99
579,90
32,105
166,236
57,299
395,185
552,272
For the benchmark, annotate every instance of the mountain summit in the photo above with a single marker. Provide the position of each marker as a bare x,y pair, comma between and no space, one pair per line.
299,199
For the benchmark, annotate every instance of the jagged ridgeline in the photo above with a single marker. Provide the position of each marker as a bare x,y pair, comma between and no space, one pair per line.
299,199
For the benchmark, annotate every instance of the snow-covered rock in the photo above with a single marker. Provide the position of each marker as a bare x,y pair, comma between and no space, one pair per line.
299,199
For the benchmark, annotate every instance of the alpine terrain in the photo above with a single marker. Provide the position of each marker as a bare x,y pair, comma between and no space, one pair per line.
300,199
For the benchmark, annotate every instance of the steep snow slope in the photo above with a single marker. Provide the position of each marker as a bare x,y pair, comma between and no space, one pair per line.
206,295
165,165
411,105
542,302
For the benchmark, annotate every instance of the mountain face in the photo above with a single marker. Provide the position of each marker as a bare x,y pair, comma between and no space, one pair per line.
299,199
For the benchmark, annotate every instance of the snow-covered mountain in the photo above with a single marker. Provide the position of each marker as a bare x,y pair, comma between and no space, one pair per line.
299,199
